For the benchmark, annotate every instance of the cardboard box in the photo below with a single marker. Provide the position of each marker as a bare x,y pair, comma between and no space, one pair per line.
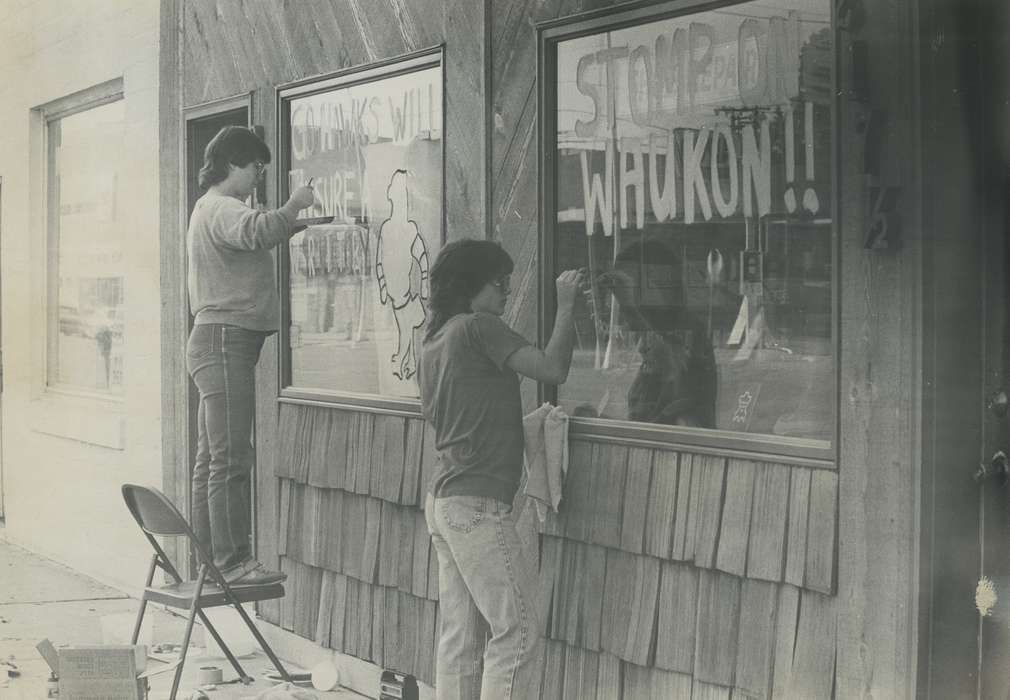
103,672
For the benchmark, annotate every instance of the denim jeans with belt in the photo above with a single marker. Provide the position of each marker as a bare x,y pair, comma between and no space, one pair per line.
484,581
222,361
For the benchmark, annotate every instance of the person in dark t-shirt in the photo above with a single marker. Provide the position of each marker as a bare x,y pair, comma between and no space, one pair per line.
469,374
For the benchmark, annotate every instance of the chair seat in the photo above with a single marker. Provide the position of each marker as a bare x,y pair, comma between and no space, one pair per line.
180,595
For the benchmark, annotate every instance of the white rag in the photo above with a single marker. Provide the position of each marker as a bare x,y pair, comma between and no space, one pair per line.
546,434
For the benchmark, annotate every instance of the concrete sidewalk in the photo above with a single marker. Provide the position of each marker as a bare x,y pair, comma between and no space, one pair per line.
41,599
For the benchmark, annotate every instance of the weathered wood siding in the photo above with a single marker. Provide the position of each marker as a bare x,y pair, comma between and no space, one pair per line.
232,47
661,567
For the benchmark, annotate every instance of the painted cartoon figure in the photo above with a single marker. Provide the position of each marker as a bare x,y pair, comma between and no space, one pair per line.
401,268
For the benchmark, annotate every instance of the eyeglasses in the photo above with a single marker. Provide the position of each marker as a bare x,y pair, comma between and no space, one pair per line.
260,167
504,284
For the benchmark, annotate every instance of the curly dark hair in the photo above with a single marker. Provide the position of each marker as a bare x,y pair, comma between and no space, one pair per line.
233,145
460,271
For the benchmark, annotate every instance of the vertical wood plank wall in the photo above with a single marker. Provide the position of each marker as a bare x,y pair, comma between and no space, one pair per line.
668,574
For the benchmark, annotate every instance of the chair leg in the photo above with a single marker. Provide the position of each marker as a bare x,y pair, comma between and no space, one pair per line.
193,610
227,652
262,642
143,601
140,620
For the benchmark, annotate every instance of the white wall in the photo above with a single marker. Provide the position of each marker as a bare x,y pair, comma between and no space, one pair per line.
64,458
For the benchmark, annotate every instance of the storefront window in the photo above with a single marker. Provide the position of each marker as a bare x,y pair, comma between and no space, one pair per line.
358,273
691,176
85,155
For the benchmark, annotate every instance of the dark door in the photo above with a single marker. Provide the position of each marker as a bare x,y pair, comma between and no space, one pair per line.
199,131
993,589
964,622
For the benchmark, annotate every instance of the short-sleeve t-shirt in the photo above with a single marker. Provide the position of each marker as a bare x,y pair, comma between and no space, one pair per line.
471,397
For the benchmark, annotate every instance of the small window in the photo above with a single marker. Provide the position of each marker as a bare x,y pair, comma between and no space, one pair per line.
357,275
688,169
85,152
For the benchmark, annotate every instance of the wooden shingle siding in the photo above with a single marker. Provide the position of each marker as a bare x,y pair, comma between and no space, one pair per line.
820,563
642,622
814,657
678,603
734,530
608,678
593,580
617,601
683,528
799,507
662,509
701,690
785,640
756,640
606,474
661,570
636,488
377,623
706,509
582,669
766,546
716,627
413,452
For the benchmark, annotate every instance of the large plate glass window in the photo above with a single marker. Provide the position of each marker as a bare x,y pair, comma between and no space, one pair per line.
84,190
689,171
357,274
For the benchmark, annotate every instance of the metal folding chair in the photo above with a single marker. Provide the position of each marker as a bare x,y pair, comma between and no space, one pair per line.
157,516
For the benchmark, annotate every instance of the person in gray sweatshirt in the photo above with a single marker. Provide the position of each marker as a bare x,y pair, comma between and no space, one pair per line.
233,297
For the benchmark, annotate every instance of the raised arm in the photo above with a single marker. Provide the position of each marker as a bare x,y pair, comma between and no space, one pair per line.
256,230
551,364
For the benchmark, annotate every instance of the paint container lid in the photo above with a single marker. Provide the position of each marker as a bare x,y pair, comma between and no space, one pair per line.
325,676
209,675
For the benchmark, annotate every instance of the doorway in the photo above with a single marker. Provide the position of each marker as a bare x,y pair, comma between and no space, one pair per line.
964,603
202,124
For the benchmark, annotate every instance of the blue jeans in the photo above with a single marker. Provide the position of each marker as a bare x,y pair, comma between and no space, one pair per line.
222,361
484,581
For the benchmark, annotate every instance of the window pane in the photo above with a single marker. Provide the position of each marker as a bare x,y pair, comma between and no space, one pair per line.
694,184
86,267
359,285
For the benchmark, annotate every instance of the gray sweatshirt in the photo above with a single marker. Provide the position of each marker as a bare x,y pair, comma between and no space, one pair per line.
231,270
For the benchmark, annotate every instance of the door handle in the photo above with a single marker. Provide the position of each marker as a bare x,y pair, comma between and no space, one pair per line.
997,467
998,403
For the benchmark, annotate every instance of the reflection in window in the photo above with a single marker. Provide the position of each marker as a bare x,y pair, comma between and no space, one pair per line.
694,183
359,284
86,259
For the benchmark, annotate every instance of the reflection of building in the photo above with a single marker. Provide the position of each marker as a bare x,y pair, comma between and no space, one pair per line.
329,263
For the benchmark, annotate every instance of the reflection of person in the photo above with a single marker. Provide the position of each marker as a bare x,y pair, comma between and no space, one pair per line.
676,381
401,269
469,379
233,296
103,339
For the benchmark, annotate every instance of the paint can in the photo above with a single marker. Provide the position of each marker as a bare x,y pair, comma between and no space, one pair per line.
209,675
397,686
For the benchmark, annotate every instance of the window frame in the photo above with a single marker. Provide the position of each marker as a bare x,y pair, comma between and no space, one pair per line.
76,103
761,446
431,57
